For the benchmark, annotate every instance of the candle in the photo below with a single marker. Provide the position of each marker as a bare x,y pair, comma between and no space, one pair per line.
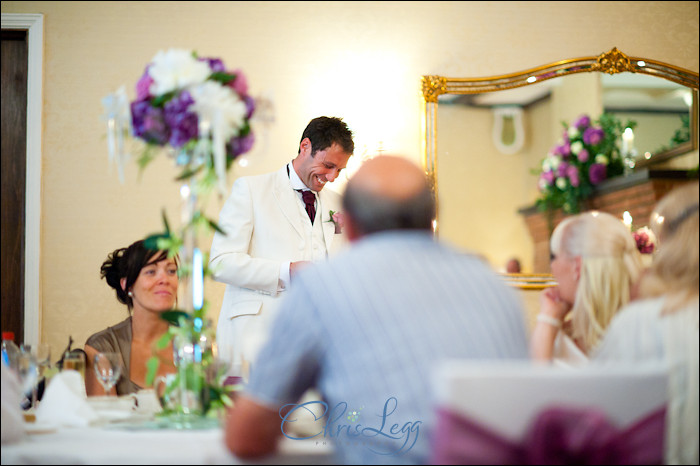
627,141
627,219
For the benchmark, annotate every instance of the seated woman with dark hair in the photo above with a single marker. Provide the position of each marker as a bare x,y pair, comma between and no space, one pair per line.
146,281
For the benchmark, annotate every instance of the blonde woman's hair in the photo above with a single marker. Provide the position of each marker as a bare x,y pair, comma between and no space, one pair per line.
610,265
674,270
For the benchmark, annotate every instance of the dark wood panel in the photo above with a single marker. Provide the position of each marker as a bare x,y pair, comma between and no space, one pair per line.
13,175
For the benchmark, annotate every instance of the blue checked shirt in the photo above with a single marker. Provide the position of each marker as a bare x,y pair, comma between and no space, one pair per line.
368,327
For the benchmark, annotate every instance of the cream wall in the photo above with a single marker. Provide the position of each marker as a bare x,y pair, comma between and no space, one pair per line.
470,166
358,60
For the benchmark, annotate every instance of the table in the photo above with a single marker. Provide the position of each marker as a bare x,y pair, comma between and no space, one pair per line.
130,444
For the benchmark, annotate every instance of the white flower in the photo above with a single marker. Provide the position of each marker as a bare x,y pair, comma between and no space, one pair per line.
176,69
546,166
542,184
561,183
600,158
576,147
212,101
573,132
554,162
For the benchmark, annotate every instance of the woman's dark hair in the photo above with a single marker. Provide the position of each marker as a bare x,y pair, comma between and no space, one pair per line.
127,263
323,132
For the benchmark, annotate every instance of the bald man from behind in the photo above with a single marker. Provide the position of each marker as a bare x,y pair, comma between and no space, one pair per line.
367,328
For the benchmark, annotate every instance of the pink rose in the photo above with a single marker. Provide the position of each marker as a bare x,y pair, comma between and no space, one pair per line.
338,220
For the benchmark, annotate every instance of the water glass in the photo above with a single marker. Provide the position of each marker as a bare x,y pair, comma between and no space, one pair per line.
108,369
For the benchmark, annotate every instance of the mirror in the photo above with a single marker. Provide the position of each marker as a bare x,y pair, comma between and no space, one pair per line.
474,152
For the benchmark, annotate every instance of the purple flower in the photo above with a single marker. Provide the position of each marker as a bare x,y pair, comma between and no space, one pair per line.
143,86
596,173
240,145
249,105
584,121
565,150
572,173
592,136
548,176
183,124
215,64
148,122
583,156
562,169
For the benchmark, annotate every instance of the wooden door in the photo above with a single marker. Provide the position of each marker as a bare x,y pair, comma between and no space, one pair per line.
13,175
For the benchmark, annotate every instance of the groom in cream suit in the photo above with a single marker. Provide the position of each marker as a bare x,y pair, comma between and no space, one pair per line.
270,235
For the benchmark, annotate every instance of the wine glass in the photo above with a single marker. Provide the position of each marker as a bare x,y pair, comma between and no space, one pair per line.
42,353
40,356
28,374
108,369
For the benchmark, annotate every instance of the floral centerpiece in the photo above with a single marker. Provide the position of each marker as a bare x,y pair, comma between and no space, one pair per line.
586,154
188,103
199,112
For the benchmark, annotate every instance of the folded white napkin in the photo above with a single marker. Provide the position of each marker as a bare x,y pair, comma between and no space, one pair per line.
12,420
65,403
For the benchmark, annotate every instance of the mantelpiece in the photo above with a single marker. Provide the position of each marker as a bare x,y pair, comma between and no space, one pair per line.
636,194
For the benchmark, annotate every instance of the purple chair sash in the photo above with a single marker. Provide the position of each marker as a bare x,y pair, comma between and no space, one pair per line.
558,435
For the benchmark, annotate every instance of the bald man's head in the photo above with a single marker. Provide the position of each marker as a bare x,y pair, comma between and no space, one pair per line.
389,193
390,176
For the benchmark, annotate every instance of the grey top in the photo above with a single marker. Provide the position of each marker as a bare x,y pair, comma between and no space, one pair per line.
117,339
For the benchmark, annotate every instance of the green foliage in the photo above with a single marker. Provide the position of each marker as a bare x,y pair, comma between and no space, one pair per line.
680,135
222,77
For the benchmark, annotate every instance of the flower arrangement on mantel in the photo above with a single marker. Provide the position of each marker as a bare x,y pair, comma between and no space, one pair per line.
198,112
586,155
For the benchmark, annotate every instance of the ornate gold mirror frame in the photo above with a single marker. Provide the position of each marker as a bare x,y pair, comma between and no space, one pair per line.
611,62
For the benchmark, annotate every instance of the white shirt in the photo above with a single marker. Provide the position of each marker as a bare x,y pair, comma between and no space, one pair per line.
640,333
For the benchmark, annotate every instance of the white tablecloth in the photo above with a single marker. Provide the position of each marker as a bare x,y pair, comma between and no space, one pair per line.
121,445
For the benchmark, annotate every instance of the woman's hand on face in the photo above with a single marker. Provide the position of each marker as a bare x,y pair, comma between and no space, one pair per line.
552,305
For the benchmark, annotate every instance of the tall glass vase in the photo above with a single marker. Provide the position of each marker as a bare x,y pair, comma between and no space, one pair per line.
188,388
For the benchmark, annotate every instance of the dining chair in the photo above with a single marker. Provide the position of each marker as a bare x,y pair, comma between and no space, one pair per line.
528,413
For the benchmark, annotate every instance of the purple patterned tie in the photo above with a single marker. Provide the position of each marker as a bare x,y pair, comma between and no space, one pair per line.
309,200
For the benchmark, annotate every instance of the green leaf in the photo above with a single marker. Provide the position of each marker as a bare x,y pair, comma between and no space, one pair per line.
163,341
216,227
222,77
152,242
165,222
152,366
174,316
161,100
145,158
188,173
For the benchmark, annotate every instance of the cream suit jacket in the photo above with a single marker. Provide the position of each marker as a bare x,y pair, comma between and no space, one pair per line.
265,227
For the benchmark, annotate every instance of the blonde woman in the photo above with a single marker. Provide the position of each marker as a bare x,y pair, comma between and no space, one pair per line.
663,325
595,262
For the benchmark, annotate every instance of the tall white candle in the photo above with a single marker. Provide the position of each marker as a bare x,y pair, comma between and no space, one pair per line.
627,219
627,141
